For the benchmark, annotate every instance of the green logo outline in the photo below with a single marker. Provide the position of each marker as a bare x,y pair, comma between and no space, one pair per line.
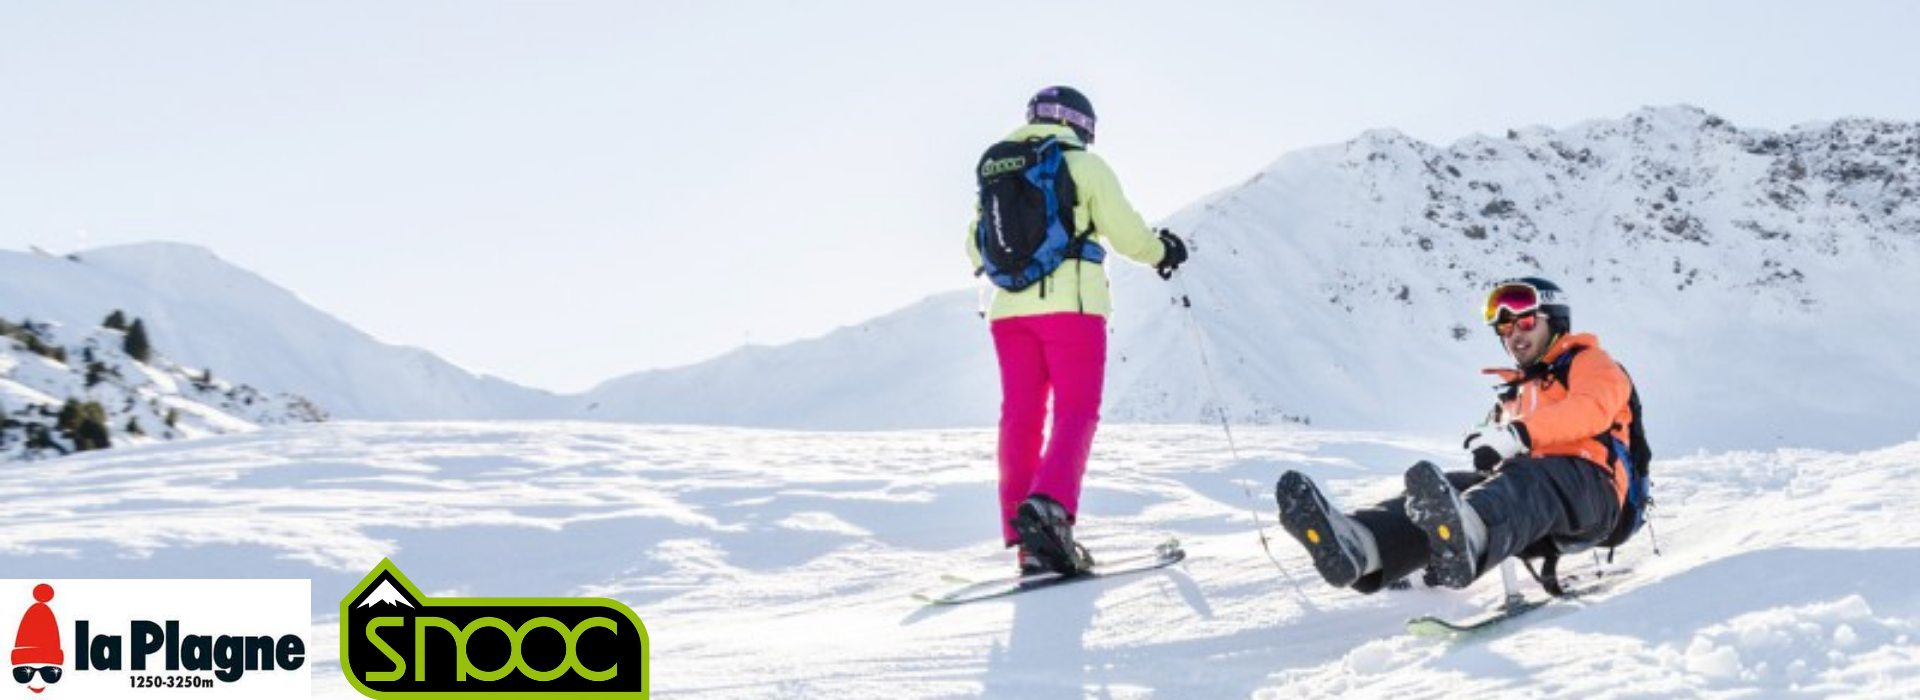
412,591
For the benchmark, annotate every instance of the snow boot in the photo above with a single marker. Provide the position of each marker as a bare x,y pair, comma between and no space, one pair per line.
1455,534
1343,550
1046,532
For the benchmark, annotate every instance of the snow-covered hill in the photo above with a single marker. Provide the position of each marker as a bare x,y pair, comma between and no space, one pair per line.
1756,283
208,313
918,368
68,389
781,564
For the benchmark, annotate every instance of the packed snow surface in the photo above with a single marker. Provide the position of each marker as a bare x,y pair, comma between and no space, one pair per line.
783,564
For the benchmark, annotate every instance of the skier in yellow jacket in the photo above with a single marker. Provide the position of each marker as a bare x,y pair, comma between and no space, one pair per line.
1050,334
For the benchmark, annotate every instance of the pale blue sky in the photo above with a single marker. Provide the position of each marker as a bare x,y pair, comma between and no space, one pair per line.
560,192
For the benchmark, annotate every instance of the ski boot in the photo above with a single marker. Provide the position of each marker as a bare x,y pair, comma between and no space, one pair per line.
1455,533
1046,532
1339,546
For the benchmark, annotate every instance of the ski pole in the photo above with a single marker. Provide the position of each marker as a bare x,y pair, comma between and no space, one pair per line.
1206,371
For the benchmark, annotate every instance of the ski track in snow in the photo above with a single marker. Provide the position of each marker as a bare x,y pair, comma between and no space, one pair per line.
781,564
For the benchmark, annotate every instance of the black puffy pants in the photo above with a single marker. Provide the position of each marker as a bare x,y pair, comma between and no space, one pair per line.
1563,503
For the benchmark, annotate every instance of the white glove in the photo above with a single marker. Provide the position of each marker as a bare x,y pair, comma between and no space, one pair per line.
1493,444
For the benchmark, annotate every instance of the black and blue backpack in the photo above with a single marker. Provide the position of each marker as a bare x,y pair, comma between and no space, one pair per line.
1026,213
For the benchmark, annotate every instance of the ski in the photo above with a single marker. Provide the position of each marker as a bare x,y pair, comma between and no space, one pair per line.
1164,555
1431,626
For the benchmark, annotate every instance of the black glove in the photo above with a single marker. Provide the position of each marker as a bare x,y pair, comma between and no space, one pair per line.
1176,254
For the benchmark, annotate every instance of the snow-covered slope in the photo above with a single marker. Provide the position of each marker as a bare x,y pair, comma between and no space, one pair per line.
1757,284
207,313
778,564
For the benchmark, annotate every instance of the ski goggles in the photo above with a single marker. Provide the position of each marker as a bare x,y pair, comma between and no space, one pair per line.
1055,110
1524,323
1509,301
24,674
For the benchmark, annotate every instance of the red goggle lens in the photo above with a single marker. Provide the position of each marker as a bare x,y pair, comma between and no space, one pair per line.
1515,299
1525,324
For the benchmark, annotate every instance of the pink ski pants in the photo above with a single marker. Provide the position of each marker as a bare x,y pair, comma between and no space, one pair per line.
1065,355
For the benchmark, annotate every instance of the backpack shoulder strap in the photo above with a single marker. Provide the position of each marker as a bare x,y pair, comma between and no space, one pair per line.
1563,366
1068,190
1560,370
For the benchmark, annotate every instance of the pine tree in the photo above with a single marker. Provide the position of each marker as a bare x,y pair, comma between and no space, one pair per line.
85,424
69,419
116,321
29,335
137,345
93,433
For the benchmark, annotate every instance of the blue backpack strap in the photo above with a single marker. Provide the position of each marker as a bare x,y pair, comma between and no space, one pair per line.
1080,245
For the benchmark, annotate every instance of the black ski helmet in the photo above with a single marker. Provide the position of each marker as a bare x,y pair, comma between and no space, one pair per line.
1535,293
1063,105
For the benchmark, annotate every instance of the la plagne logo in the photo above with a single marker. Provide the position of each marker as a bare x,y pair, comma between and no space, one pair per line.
124,638
397,643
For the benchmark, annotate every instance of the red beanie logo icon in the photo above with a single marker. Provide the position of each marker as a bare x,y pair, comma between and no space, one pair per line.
37,656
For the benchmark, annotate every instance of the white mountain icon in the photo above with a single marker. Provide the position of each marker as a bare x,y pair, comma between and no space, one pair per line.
386,593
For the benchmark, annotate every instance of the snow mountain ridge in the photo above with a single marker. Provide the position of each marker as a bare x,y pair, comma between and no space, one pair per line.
1755,283
206,312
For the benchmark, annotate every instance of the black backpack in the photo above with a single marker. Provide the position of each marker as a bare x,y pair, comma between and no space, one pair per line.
1638,454
1026,213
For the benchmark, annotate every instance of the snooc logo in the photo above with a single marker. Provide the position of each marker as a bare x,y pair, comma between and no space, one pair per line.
397,643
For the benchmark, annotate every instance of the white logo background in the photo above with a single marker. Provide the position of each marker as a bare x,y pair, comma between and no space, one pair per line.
206,607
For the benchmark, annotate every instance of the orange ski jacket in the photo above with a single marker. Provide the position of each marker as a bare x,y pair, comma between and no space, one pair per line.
1575,417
